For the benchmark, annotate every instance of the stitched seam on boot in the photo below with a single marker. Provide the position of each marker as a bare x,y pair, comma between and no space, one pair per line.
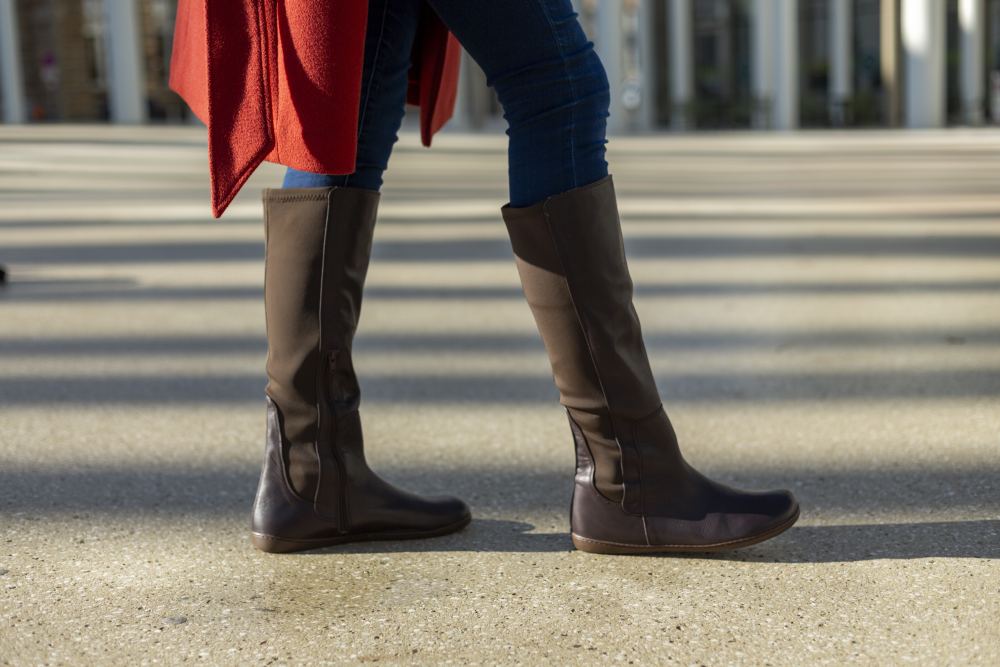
642,496
319,354
340,516
267,227
275,195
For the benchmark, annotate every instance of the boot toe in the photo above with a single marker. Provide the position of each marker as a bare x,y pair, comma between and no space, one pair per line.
399,512
434,515
772,513
789,504
741,518
449,510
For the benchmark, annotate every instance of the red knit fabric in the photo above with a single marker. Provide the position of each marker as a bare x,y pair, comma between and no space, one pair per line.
281,81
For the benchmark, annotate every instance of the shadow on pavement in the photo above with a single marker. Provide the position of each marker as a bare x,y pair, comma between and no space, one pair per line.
436,343
94,494
170,490
238,219
805,544
856,542
709,386
117,290
638,246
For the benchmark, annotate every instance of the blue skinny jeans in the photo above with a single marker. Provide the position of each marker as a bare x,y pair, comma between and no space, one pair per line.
548,79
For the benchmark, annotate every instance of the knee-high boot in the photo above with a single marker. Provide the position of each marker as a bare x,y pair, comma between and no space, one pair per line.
634,492
315,487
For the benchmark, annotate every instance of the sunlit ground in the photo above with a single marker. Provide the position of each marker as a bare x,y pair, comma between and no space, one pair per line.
822,312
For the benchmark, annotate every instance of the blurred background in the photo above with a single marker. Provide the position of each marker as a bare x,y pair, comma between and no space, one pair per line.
680,64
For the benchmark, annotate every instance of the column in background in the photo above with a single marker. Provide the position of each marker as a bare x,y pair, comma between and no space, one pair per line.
785,62
609,47
11,79
971,26
126,80
841,60
922,25
679,35
761,56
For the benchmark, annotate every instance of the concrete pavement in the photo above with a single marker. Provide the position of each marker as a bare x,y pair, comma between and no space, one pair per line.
822,312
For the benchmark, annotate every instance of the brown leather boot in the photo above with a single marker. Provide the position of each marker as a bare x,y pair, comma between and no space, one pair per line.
634,493
315,488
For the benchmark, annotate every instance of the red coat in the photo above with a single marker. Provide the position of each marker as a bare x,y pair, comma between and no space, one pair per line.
280,80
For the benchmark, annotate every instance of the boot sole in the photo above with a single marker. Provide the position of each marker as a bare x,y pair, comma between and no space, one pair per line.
280,545
615,548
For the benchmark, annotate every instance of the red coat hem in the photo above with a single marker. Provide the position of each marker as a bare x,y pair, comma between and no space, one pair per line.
281,83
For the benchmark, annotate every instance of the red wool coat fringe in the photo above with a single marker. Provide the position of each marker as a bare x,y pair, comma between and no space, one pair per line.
280,80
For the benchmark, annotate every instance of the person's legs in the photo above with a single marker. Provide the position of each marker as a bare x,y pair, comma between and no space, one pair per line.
316,488
551,84
634,491
392,27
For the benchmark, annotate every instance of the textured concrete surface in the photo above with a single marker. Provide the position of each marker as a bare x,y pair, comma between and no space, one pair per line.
822,311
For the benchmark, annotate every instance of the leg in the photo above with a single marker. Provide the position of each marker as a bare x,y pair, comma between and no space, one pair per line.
634,491
315,487
392,27
551,84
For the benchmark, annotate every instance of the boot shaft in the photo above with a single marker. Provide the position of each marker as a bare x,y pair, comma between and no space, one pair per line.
316,488
634,492
317,247
571,259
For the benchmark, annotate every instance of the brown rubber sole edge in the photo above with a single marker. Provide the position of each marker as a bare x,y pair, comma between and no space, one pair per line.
279,545
614,548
